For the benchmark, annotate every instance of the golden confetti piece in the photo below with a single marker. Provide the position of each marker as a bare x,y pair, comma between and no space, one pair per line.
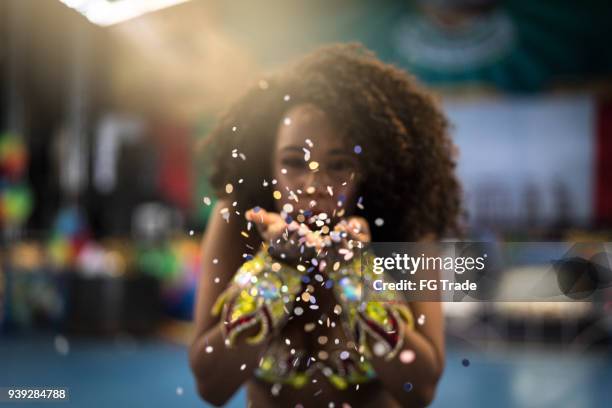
306,296
301,218
325,229
244,234
308,327
338,309
276,267
277,195
322,340
301,268
313,165
310,190
323,355
229,188
288,342
336,266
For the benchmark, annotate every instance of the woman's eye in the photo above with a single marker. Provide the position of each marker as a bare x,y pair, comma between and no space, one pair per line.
293,162
341,165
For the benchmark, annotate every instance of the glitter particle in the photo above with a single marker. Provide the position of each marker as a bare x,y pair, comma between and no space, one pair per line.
179,390
287,121
229,188
313,165
379,349
209,349
277,195
357,149
379,222
407,356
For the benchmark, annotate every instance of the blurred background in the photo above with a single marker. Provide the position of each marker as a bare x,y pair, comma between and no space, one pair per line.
103,191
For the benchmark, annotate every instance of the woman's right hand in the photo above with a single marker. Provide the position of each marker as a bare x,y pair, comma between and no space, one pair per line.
289,242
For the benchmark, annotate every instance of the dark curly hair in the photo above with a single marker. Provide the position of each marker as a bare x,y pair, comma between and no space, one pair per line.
407,157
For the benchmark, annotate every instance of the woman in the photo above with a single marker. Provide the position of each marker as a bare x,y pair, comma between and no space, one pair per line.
311,165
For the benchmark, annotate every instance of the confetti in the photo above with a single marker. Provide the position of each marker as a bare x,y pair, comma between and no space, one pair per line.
407,356
421,320
62,346
287,121
215,261
276,389
277,195
338,309
191,232
465,362
286,98
308,327
357,149
263,84
207,200
234,128
298,311
288,208
229,188
217,280
379,349
242,367
313,165
179,391
408,387
322,340
379,222
209,349
344,355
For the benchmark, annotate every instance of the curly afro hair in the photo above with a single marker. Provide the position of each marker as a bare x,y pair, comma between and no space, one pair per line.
407,157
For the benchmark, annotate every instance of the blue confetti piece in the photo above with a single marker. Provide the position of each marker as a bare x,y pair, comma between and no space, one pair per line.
465,362
407,387
357,149
329,284
256,209
305,279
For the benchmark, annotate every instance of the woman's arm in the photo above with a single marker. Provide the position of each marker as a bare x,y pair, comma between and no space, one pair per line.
219,371
427,343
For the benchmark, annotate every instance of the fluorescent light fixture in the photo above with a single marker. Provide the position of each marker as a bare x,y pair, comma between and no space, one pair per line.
108,12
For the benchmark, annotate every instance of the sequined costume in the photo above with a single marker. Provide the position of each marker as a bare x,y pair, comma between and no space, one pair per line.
264,291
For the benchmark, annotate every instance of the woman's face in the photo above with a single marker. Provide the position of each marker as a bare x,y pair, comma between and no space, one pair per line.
313,163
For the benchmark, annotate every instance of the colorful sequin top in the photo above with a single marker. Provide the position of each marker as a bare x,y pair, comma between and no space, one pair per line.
265,291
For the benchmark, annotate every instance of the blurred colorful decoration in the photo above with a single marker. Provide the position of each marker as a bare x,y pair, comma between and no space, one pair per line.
15,196
33,296
13,157
70,234
177,265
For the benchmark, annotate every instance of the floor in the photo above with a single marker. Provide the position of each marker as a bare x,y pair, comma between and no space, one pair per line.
127,372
